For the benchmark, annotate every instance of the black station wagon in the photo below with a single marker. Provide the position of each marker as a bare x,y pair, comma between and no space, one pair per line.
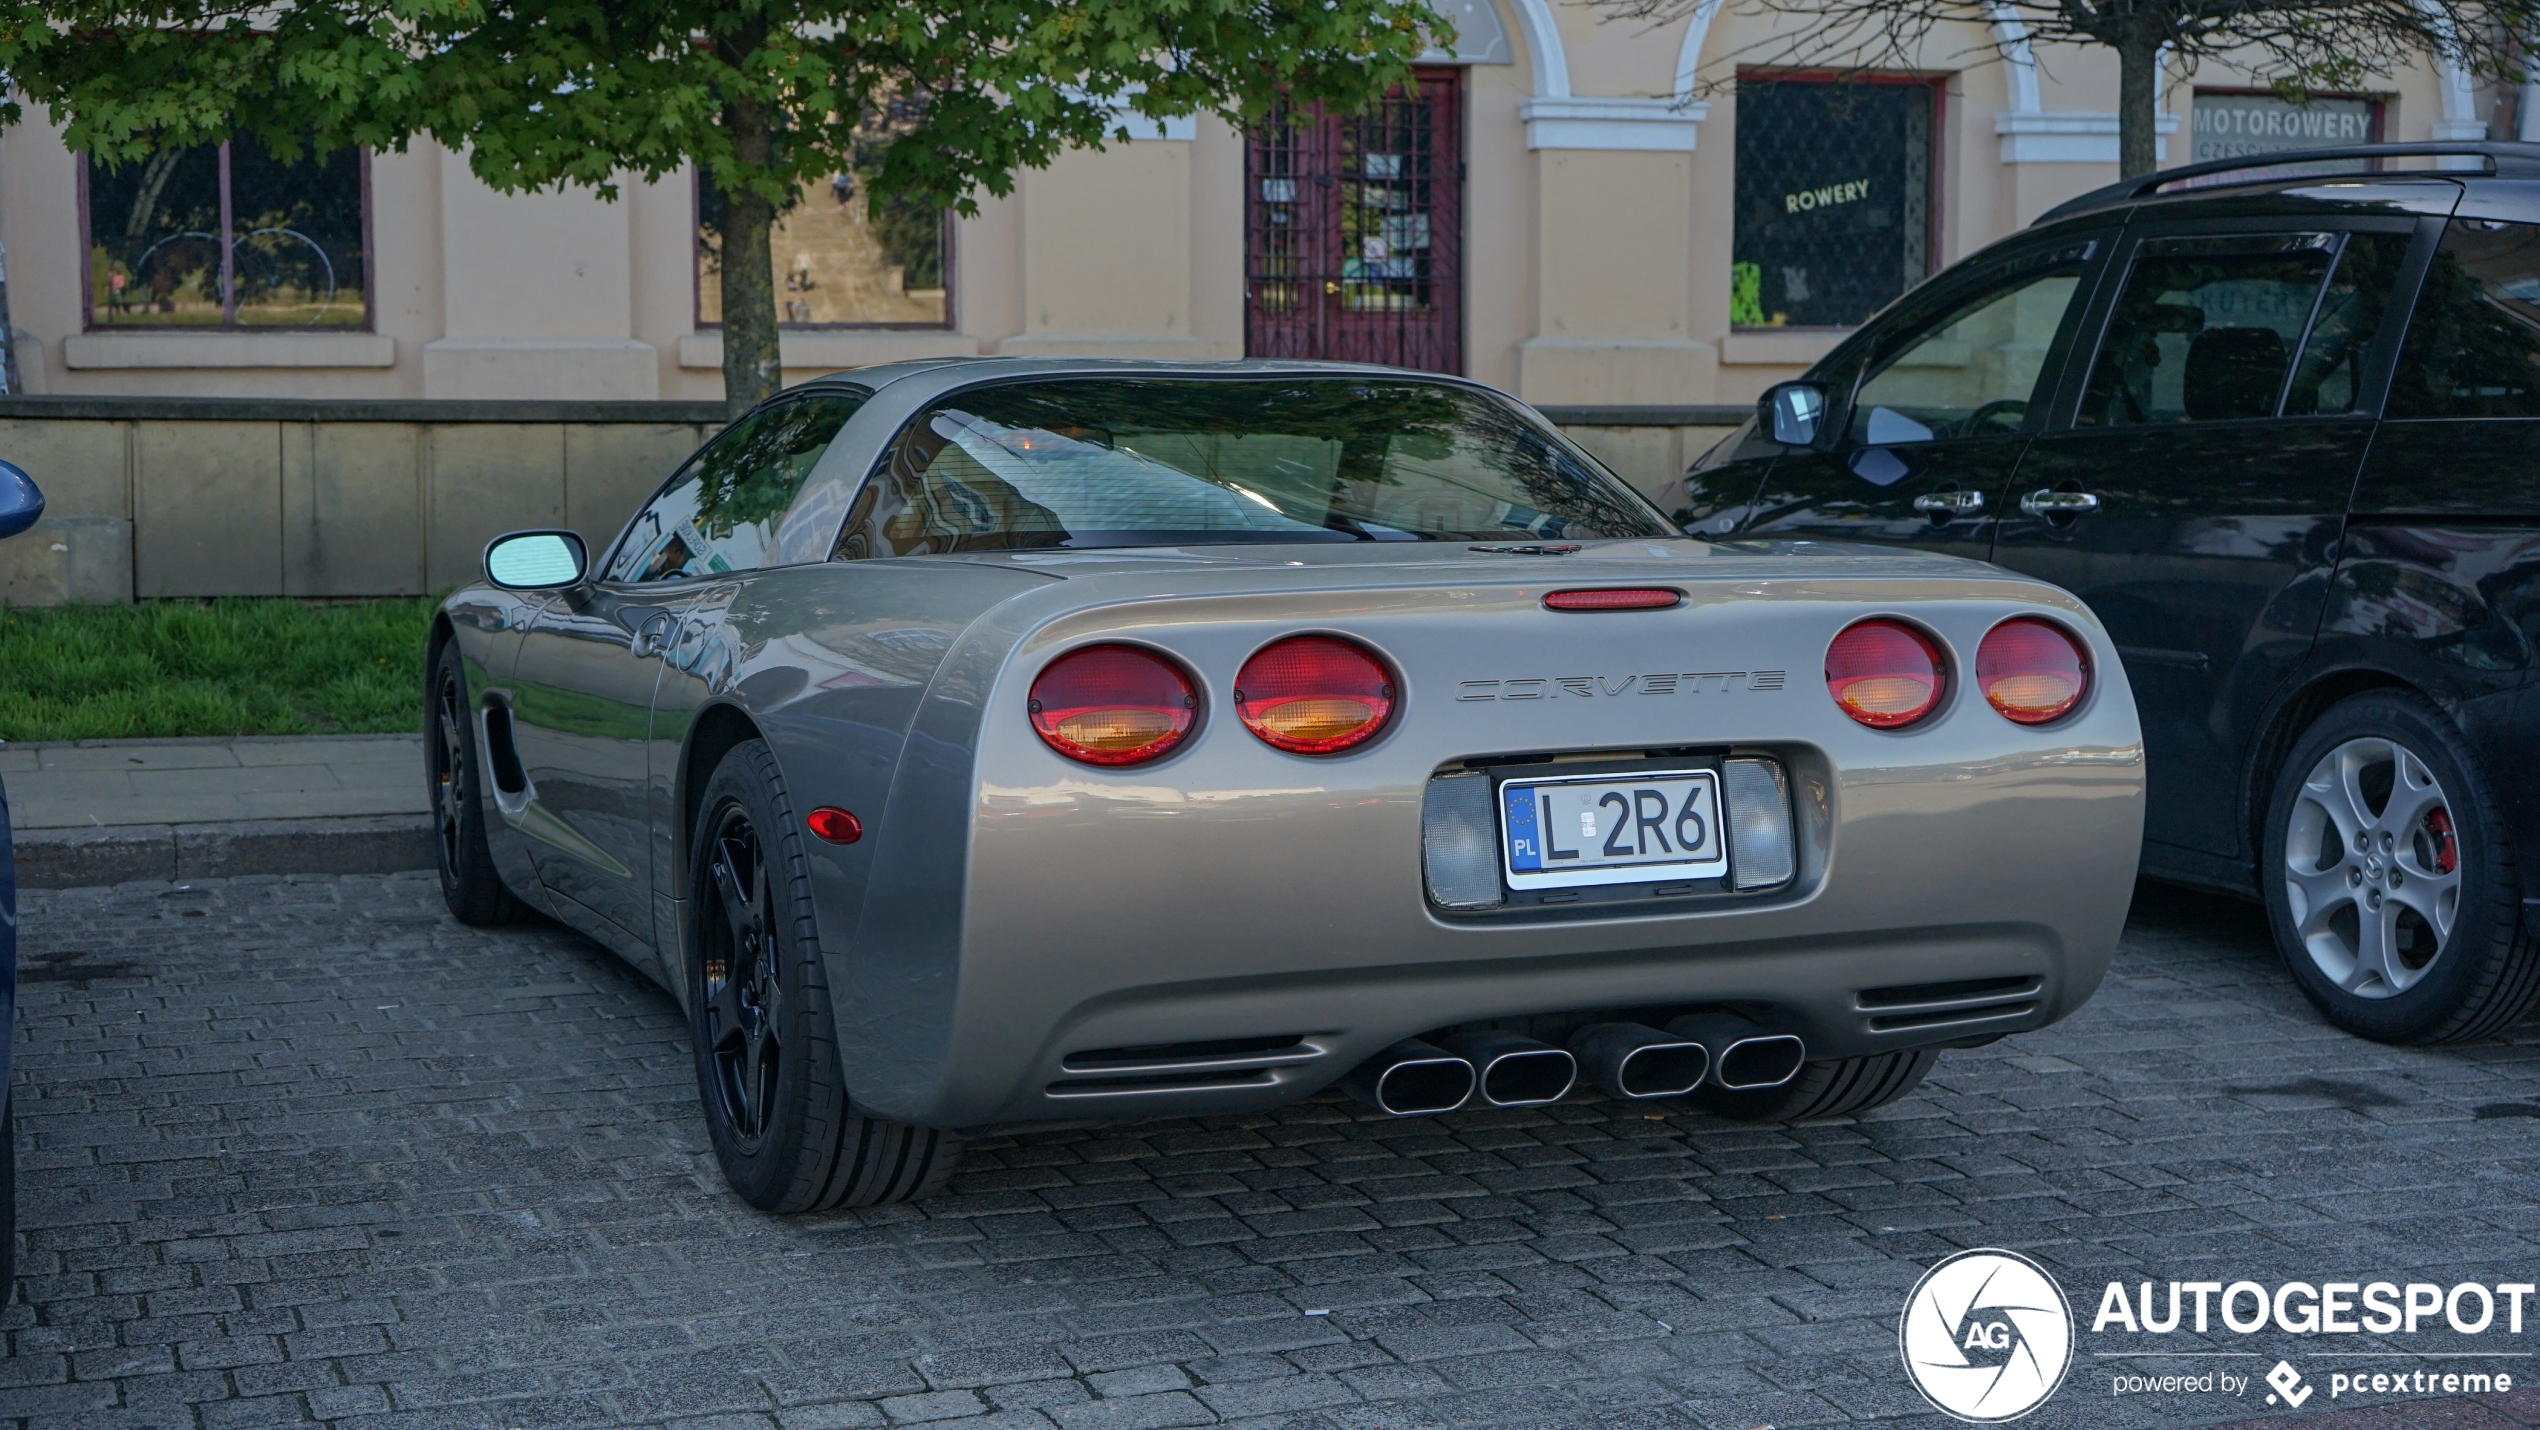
2278,421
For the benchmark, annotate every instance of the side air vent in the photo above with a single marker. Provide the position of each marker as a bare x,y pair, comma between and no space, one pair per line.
1972,1001
509,777
1185,1067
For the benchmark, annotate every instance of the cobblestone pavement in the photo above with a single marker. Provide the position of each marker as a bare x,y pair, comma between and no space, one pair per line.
309,1151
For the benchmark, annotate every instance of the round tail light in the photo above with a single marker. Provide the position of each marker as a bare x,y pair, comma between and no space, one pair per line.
1885,673
2031,671
1113,705
1314,695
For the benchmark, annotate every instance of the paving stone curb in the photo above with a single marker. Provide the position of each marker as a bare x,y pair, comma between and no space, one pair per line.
116,854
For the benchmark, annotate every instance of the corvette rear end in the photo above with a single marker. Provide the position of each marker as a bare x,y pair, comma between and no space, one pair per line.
972,745
1605,787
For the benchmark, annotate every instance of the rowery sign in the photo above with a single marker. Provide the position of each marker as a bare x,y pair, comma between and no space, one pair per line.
1826,197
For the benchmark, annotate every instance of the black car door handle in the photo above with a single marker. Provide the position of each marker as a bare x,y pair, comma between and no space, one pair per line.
2054,503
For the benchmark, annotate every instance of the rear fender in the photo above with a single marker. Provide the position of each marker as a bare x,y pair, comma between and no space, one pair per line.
834,668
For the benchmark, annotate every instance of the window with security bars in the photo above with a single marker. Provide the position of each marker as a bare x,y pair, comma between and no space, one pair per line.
228,236
1835,211
1353,231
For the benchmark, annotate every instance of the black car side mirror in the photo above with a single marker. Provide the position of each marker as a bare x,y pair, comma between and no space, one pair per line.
535,560
20,502
1791,412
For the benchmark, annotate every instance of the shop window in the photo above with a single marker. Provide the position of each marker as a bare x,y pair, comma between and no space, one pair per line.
839,265
1835,197
229,236
2233,124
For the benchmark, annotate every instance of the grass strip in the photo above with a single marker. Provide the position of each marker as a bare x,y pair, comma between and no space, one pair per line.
236,666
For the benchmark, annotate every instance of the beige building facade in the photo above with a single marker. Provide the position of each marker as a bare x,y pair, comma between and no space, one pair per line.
1581,215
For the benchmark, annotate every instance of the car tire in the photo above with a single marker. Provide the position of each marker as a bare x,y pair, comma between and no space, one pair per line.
776,1103
2411,933
470,884
1837,1087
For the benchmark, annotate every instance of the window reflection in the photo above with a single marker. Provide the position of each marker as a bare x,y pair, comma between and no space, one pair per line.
2203,333
2473,349
837,263
295,252
1100,463
719,515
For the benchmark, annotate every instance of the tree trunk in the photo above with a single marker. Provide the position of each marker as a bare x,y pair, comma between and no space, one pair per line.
752,370
2138,106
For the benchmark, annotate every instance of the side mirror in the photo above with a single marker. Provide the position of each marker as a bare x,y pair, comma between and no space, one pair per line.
20,502
1792,411
535,560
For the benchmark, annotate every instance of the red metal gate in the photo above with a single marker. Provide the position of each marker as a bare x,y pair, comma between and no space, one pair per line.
1354,230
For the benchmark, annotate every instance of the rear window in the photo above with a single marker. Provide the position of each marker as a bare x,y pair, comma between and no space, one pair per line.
1167,462
2206,329
2473,349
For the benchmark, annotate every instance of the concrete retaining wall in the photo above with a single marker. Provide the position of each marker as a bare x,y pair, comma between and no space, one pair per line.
158,497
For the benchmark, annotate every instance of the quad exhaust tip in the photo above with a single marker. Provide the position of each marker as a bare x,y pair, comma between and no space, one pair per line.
1515,1070
1632,1060
1412,1079
1745,1056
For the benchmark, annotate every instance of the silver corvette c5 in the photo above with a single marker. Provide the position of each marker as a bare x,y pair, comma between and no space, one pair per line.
994,742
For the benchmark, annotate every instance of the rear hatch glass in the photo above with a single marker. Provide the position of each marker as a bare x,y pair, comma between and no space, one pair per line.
1114,462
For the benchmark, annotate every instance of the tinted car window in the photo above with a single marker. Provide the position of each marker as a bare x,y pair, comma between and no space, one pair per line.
1975,372
2329,378
719,513
2205,329
2473,349
1147,462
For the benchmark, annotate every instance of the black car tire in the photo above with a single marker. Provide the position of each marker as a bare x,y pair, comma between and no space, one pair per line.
2484,973
776,1103
470,884
1837,1087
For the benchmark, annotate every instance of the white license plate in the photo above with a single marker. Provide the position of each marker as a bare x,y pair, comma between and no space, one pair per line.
1612,829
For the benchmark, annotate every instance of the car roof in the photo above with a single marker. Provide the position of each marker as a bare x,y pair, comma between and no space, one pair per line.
2237,177
946,373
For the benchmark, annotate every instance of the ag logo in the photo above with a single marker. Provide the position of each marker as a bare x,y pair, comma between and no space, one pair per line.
1986,1335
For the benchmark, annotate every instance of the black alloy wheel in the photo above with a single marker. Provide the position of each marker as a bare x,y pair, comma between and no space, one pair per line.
448,755
470,885
766,1037
742,993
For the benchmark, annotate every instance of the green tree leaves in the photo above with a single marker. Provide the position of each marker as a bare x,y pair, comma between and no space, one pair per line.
933,101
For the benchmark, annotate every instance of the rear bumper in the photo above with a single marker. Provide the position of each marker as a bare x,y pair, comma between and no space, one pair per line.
1116,1055
1296,932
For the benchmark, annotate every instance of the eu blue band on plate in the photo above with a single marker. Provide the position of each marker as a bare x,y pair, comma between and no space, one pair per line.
1525,849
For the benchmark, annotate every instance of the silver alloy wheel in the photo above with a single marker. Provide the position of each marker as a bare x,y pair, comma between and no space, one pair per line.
2372,867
